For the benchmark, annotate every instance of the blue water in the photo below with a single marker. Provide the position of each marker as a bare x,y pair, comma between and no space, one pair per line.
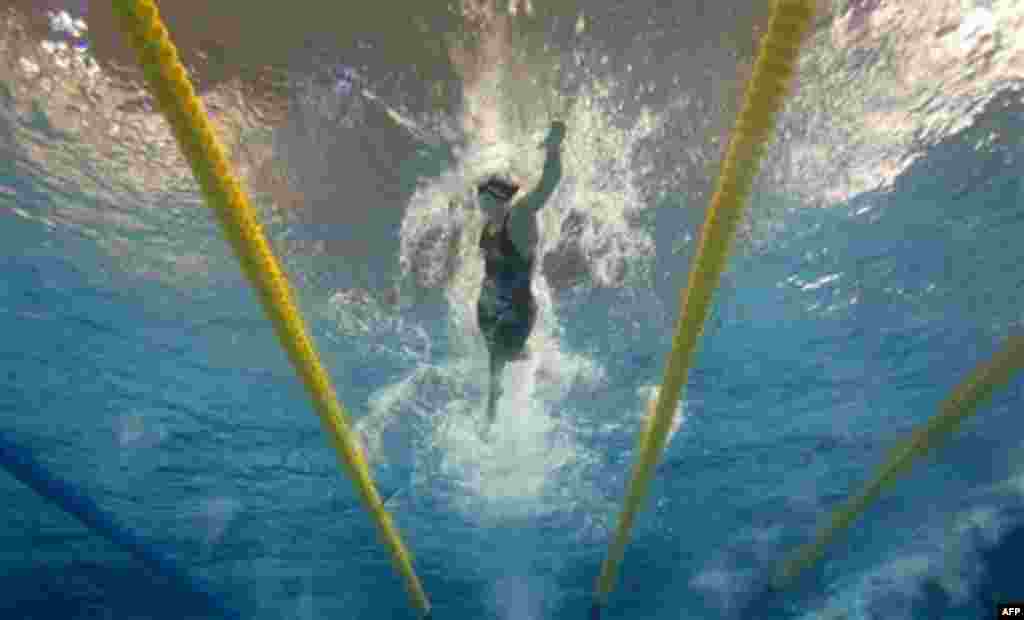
151,400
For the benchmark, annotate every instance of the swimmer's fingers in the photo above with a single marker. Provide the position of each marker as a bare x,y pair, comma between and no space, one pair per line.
556,134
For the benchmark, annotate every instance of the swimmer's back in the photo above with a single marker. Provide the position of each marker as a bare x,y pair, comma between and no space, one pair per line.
506,310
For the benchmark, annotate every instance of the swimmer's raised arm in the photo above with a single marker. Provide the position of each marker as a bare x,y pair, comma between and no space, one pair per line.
552,173
522,225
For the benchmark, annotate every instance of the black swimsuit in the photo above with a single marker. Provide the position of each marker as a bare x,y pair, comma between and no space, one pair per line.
507,310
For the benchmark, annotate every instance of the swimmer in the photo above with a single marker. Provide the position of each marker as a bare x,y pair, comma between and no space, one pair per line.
507,311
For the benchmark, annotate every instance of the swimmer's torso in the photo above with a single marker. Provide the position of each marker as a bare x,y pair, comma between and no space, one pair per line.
502,259
506,309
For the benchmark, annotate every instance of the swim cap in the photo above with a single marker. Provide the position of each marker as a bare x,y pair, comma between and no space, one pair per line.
500,189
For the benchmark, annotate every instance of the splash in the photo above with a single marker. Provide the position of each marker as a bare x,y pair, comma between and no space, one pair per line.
428,423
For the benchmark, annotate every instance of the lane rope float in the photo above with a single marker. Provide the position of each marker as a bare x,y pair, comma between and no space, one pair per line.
765,94
140,22
965,399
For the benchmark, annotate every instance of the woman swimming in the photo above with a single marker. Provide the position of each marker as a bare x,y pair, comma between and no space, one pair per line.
507,310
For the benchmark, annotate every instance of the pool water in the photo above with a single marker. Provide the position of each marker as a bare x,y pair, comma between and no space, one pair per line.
175,468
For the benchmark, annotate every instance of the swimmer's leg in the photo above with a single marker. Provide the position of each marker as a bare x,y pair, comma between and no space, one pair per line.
496,366
506,342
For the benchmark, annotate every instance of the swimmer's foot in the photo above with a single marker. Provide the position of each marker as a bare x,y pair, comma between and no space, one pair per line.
485,432
485,428
522,355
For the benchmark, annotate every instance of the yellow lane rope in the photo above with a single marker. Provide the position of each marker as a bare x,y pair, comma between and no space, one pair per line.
765,94
140,21
963,401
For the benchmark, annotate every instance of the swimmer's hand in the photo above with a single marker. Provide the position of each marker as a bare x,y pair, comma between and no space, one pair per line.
556,134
